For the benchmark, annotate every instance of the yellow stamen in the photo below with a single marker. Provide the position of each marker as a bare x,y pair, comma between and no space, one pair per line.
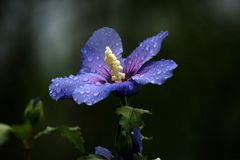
114,65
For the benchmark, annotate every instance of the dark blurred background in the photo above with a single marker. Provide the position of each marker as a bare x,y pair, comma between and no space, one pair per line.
196,114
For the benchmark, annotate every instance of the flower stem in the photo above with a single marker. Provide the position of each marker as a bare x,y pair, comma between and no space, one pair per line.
124,101
28,153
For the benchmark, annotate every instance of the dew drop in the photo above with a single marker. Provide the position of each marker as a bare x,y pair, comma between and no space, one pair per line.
96,94
93,71
89,59
147,48
85,79
75,78
97,83
81,92
97,58
155,45
71,76
87,91
158,72
56,84
99,65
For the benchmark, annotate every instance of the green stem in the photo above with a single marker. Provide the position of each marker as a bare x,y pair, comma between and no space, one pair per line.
124,101
28,153
28,148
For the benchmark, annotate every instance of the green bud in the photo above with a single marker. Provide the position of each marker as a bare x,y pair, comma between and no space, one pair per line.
34,111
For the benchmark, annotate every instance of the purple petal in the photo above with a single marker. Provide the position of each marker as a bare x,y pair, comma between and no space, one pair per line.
101,151
94,50
126,88
137,141
92,93
155,72
145,51
63,88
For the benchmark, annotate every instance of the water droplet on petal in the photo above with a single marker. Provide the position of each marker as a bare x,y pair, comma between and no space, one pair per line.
81,92
89,59
99,65
93,71
97,58
96,94
97,83
155,45
75,78
56,84
71,76
147,48
85,79
158,72
87,91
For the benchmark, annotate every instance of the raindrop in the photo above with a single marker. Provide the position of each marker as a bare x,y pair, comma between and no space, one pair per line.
99,65
155,45
159,72
87,91
97,58
75,78
71,76
85,79
81,92
93,70
97,83
117,44
89,103
89,59
147,48
96,94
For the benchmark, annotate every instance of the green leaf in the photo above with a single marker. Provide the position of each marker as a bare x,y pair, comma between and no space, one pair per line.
34,111
47,131
72,134
130,117
5,130
91,157
22,131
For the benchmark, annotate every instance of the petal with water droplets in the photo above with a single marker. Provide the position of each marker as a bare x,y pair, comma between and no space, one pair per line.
155,72
94,50
62,88
145,51
91,93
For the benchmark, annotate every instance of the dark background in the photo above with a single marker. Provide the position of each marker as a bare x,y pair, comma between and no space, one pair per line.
196,114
